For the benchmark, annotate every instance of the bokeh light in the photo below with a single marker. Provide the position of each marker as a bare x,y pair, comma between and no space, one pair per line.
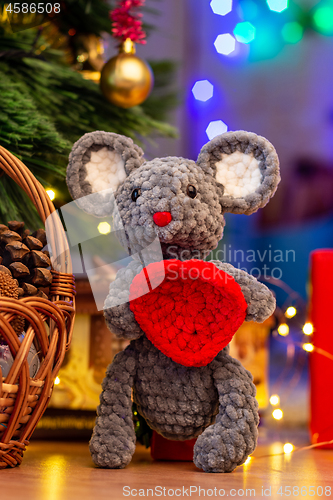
288,448
203,90
104,227
221,7
308,328
248,9
57,381
283,329
276,448
268,41
291,311
274,400
292,32
225,44
277,414
323,19
277,5
215,128
244,32
308,347
51,194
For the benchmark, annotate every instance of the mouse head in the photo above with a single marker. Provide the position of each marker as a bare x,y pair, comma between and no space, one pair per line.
179,200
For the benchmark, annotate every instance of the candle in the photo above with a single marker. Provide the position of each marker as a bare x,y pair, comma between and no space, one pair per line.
321,367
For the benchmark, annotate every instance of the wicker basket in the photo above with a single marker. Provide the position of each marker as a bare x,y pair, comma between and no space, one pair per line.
49,325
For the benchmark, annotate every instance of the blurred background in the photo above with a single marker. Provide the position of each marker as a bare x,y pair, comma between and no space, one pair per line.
261,66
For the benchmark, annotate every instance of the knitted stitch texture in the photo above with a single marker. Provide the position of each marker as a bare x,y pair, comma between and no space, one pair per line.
261,302
249,144
80,155
193,314
180,403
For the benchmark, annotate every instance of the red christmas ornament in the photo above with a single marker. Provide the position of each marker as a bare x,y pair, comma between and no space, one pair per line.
193,314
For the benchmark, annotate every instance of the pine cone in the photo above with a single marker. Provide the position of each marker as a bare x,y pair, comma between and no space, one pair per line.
22,256
9,288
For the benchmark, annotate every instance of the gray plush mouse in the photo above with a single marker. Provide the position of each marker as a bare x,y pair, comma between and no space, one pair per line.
183,203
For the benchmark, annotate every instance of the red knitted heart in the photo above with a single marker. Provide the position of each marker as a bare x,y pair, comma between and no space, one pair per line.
192,314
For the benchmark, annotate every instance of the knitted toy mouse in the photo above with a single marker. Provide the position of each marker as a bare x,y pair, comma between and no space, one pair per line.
177,367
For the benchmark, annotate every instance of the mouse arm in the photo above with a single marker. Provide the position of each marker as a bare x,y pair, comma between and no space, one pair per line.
119,318
260,300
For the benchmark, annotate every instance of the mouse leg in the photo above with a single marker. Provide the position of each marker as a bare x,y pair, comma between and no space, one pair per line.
233,437
113,441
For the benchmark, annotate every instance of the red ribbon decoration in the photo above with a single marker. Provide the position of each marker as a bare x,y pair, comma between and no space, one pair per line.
126,24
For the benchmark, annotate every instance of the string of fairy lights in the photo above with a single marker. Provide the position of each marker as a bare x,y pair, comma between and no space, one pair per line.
281,333
307,345
283,330
288,449
293,310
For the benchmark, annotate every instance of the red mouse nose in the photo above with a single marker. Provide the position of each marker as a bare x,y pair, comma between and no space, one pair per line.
162,218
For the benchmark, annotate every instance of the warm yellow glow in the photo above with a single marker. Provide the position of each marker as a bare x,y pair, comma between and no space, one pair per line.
291,312
308,328
247,461
57,381
308,347
283,329
82,57
276,448
276,457
288,448
128,46
53,481
51,194
94,76
277,414
274,400
100,47
104,227
131,69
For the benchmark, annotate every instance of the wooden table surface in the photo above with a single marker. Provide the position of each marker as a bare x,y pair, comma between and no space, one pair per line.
64,471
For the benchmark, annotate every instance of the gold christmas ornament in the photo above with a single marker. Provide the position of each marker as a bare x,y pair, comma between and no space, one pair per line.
126,80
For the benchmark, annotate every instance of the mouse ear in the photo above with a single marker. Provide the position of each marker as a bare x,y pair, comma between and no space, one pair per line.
246,167
98,163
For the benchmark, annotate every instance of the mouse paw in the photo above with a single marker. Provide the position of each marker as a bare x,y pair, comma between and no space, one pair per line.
219,449
111,451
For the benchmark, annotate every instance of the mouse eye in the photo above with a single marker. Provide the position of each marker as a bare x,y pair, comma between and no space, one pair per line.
191,191
135,194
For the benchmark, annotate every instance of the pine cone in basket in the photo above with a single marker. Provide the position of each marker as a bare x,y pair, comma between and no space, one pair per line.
9,288
23,257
